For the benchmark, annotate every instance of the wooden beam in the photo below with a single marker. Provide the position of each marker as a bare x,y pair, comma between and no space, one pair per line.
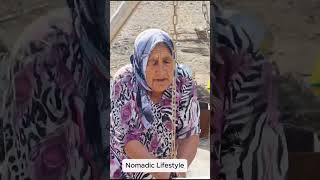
121,16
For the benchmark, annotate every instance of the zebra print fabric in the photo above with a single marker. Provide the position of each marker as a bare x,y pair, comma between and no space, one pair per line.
249,142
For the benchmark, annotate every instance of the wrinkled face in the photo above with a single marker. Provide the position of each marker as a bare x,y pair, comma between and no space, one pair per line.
159,70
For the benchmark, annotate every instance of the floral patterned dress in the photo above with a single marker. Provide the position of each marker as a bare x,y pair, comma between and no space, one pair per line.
127,124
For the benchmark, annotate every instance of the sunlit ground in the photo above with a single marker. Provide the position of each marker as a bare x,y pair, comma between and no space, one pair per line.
200,167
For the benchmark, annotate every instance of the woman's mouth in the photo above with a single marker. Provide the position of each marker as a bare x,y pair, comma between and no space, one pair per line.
160,80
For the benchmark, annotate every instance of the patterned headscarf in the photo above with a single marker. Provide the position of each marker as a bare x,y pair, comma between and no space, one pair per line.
89,19
143,46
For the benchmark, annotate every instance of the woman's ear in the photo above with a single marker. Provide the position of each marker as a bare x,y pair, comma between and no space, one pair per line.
132,59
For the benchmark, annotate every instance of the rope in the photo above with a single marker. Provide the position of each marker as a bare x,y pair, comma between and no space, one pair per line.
173,101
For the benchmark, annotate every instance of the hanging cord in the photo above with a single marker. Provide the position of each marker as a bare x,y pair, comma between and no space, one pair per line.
174,103
206,18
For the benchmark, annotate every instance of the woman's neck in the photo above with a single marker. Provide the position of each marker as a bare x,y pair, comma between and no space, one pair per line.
155,96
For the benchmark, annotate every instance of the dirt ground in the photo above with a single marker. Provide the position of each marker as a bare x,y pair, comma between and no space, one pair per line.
295,25
12,24
158,14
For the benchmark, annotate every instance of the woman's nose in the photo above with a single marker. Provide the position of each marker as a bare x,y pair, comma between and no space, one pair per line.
161,69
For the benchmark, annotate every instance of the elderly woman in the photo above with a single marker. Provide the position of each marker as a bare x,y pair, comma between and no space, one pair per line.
141,115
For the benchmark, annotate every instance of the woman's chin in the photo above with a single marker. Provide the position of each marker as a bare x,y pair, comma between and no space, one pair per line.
160,88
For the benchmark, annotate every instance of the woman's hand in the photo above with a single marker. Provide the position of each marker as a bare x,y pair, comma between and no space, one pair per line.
135,150
161,175
187,148
181,174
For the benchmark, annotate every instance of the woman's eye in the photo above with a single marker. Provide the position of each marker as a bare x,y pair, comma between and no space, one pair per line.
167,61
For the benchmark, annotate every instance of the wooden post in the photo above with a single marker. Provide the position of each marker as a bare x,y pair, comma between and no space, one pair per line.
121,16
204,120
